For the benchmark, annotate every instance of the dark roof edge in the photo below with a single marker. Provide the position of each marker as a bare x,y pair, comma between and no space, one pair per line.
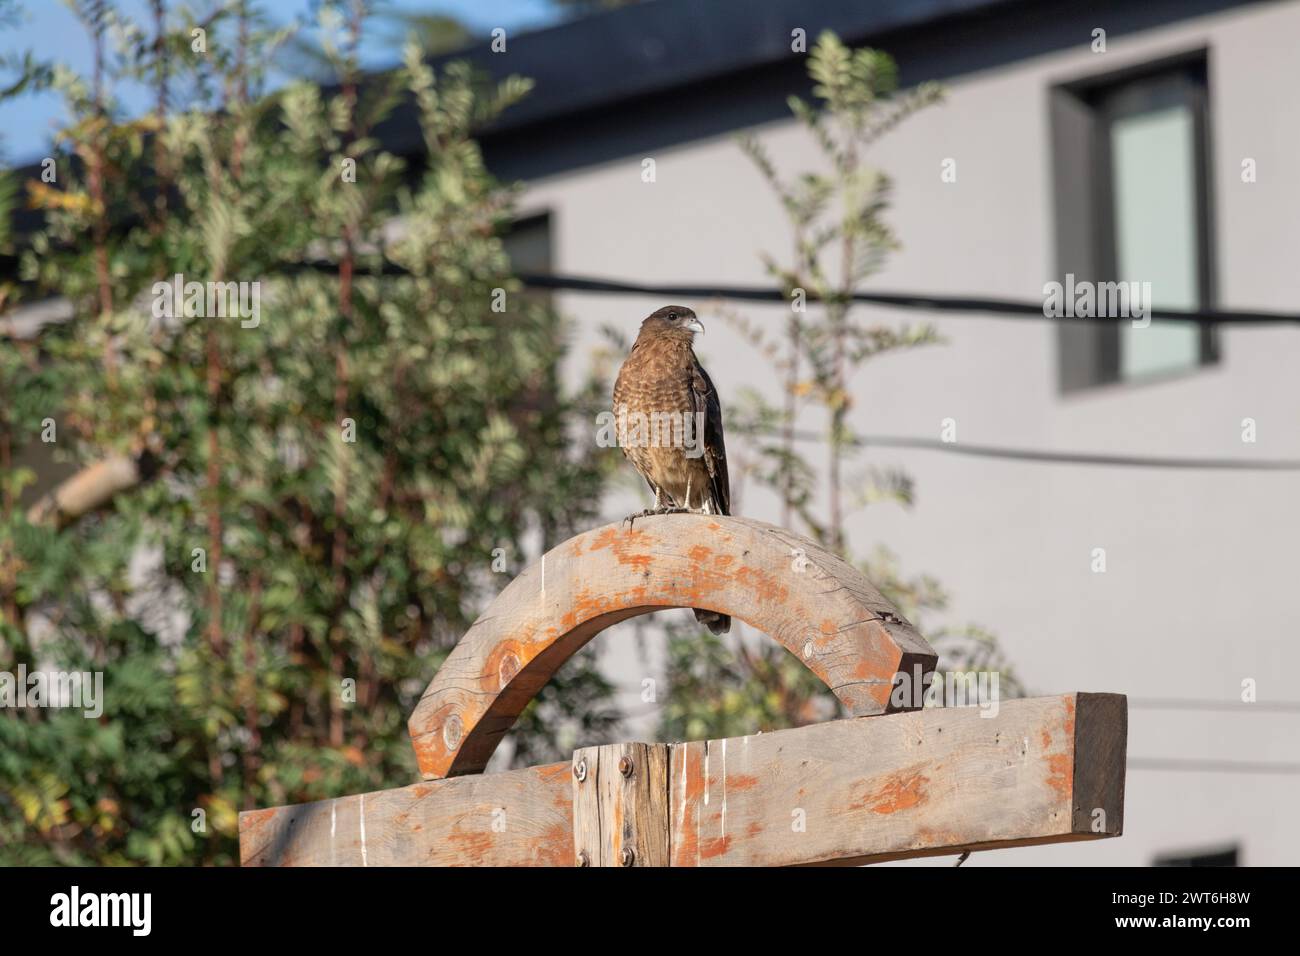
661,45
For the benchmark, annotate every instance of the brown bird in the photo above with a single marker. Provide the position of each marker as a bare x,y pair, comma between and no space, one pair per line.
669,421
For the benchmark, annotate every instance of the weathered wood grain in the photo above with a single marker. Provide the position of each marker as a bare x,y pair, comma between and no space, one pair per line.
620,805
820,608
519,818
930,782
940,781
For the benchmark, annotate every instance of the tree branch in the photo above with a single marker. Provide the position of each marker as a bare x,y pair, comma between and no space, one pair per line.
92,488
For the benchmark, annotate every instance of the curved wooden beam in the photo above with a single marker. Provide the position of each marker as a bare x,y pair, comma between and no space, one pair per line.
816,605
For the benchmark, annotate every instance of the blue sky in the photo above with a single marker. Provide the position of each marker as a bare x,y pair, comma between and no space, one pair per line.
48,28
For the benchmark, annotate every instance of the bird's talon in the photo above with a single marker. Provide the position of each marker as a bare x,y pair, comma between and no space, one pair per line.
631,519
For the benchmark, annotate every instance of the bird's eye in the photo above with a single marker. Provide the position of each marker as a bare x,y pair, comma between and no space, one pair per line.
672,316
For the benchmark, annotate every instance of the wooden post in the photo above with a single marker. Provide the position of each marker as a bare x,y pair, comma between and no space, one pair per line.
620,805
892,782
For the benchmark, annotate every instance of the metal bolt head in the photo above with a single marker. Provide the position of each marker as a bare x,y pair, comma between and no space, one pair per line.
582,859
628,856
625,766
580,770
452,731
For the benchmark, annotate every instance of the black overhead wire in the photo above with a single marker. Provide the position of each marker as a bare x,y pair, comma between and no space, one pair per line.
996,308
1060,457
1212,766
1232,706
958,304
1203,765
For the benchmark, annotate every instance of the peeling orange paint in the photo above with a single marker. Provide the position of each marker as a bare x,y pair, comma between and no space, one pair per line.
629,547
715,847
765,586
252,819
686,806
555,846
900,791
429,753
504,661
699,554
553,771
928,837
586,606
1059,776
471,846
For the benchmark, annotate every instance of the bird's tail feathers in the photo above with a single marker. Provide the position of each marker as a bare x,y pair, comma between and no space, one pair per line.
715,622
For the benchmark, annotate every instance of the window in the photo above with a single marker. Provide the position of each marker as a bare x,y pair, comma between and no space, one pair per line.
1215,856
528,244
1131,156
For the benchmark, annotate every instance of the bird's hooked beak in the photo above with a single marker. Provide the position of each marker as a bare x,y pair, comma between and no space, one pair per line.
695,326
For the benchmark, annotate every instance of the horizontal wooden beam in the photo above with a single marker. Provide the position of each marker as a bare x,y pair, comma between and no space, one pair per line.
518,818
861,790
937,781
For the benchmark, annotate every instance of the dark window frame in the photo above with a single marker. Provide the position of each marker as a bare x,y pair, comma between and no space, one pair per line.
528,227
1226,855
1082,113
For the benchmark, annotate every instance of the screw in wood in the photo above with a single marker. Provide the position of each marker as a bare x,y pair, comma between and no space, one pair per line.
628,856
625,766
580,771
583,859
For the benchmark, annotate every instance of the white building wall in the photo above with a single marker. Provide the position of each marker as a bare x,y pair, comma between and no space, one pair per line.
1201,589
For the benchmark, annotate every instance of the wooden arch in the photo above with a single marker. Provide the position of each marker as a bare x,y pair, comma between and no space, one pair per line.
820,608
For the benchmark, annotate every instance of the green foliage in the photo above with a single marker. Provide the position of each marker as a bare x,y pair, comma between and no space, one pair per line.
836,213
841,238
325,487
